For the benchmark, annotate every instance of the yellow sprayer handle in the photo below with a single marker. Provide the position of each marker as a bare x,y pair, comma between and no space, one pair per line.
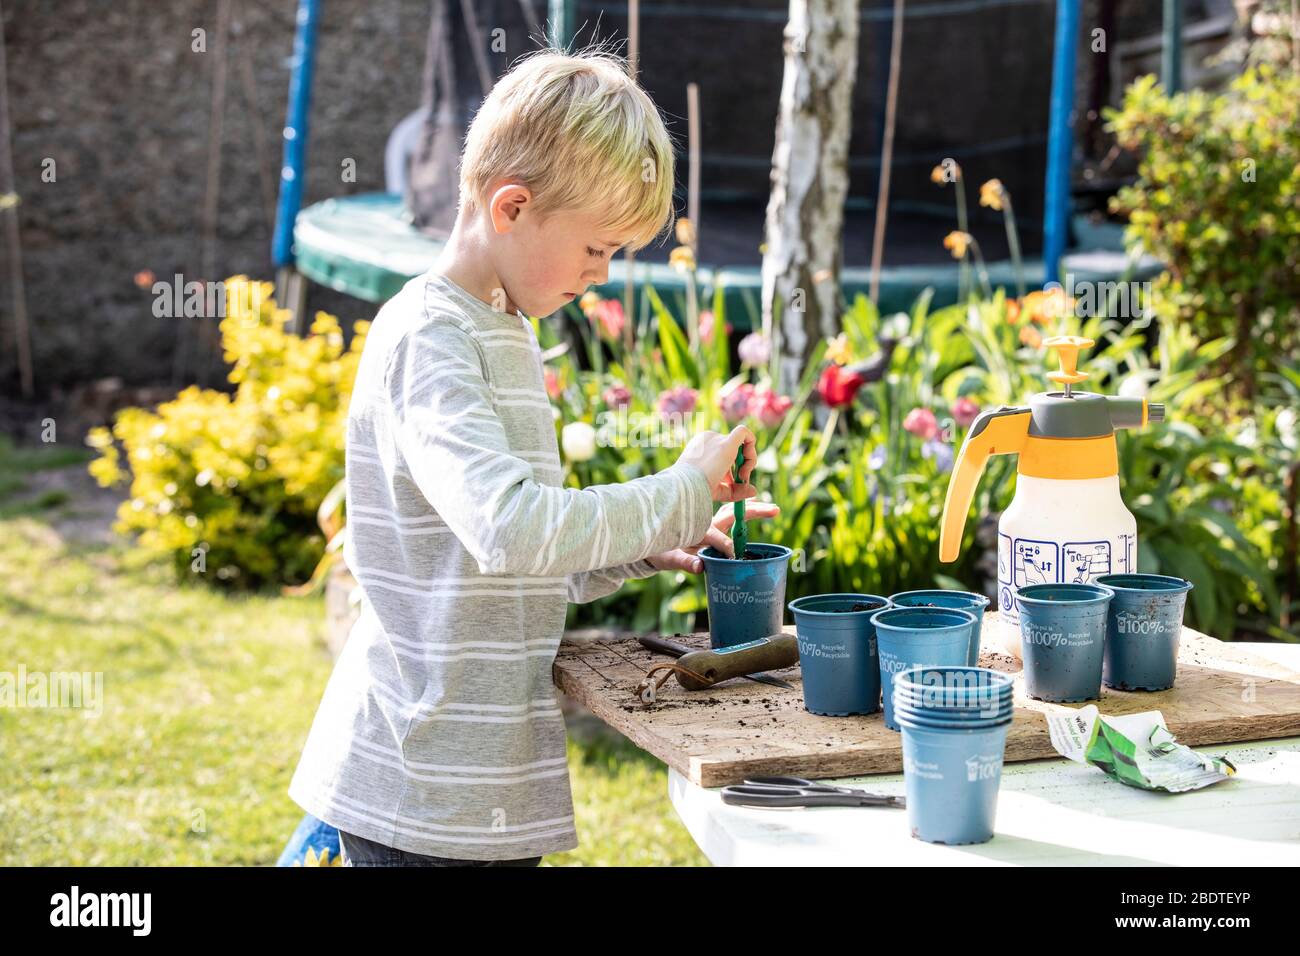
1002,431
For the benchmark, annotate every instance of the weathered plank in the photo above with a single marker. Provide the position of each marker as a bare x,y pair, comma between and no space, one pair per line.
719,736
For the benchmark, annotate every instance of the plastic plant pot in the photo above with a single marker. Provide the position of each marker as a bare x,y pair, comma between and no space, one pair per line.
1062,639
911,636
951,777
1143,624
966,600
837,652
746,597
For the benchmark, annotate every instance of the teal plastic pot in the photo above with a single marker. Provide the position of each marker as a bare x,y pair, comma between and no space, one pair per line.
1062,639
837,652
911,636
1143,625
966,600
746,598
951,777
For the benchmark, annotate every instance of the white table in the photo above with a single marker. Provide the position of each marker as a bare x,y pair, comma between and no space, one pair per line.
1050,812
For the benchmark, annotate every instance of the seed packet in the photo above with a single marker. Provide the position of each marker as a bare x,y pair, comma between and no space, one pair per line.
1136,749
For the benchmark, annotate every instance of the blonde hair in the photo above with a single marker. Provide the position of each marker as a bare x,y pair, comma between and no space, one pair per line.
580,133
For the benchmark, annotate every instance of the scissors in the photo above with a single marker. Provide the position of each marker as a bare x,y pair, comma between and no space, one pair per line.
798,792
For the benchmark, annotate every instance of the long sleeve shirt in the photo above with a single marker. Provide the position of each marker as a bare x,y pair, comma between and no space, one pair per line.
439,731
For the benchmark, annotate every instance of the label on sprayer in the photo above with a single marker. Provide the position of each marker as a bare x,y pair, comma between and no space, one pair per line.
1028,560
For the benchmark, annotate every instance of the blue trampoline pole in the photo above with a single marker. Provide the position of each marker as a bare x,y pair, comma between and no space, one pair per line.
1171,56
561,26
292,171
1056,192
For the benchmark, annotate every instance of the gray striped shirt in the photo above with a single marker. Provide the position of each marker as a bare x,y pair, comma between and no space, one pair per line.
439,730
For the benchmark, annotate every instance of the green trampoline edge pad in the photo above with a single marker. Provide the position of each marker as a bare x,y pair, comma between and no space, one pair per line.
365,247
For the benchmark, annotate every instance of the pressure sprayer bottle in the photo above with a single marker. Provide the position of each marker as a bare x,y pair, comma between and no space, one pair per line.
1067,522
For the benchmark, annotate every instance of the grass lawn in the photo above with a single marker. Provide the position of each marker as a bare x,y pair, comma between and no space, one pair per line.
207,699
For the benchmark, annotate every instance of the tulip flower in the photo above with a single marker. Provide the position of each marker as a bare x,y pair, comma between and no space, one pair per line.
838,387
617,395
769,408
578,439
735,404
754,349
677,401
922,423
965,411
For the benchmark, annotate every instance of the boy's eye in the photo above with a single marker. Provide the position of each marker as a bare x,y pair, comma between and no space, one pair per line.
598,253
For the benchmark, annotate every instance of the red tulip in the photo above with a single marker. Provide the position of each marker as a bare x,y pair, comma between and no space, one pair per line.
837,386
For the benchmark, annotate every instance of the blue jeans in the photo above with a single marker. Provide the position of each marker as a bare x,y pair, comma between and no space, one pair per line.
358,851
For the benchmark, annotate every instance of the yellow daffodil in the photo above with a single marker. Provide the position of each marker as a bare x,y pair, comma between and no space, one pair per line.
589,302
946,172
682,259
1048,305
992,194
957,243
686,232
837,350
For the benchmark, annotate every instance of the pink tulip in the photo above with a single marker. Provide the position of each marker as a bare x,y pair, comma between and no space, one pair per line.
736,403
922,423
553,385
610,318
706,326
679,400
769,408
755,349
617,395
964,411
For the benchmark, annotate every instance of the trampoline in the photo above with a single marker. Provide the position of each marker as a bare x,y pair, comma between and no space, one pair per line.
954,102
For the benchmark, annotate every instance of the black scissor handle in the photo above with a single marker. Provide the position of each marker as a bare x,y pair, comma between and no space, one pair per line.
755,794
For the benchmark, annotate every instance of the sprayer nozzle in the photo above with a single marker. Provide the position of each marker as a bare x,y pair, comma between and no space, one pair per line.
1155,411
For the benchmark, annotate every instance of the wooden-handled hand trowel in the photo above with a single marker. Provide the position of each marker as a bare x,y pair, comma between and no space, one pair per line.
700,669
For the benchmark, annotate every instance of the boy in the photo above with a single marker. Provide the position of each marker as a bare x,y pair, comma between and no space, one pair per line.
438,739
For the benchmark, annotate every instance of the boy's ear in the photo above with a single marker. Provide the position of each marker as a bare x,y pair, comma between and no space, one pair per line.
508,201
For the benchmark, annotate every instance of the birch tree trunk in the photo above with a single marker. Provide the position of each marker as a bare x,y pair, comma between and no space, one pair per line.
810,180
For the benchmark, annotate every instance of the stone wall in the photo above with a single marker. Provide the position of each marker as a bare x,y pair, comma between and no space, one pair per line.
113,93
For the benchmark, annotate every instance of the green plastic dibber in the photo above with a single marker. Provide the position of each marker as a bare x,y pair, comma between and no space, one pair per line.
739,531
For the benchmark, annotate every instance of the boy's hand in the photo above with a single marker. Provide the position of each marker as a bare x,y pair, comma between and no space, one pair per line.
715,455
686,559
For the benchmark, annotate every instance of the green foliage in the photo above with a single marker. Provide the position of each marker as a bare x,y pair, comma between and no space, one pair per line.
233,482
861,494
1216,201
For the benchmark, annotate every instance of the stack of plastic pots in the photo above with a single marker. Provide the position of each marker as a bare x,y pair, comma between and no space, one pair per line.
913,636
954,722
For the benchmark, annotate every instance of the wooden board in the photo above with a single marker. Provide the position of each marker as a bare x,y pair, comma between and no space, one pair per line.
719,736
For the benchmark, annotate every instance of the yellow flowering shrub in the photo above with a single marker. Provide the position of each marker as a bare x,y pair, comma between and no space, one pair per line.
227,485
